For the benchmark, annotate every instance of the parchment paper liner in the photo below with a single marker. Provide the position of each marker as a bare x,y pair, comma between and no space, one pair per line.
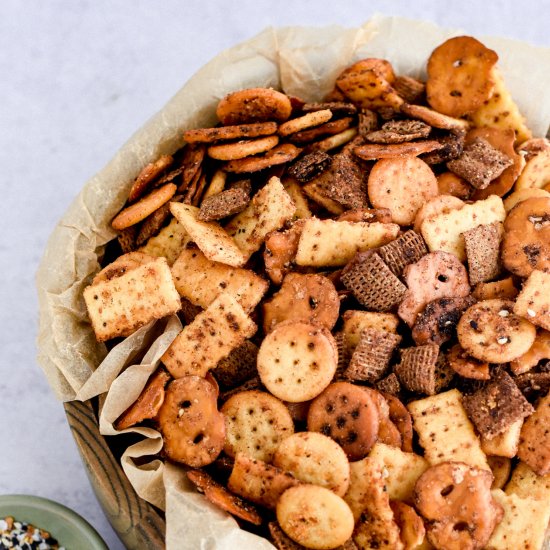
301,61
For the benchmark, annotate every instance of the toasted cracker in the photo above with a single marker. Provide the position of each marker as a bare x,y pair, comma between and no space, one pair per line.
280,154
533,302
416,371
214,242
495,407
355,321
221,133
444,430
296,194
334,243
309,120
254,105
121,305
316,191
238,367
435,118
536,173
444,231
269,209
334,141
212,335
373,284
500,111
243,148
534,443
258,481
399,131
226,203
376,151
526,483
201,281
403,469
521,195
256,424
504,444
523,525
328,129
480,163
169,242
402,186
482,245
503,289
147,175
406,249
310,166
372,355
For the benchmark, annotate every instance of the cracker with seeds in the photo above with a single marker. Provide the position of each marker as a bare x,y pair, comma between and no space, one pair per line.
533,302
212,335
334,243
482,244
122,304
534,442
259,482
523,525
201,280
214,242
256,423
526,483
269,209
403,469
444,430
445,231
373,284
495,407
372,356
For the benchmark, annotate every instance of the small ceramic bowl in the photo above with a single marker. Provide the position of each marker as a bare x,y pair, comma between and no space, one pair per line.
70,530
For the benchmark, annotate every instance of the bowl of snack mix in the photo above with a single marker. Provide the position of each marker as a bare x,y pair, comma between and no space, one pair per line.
311,301
34,523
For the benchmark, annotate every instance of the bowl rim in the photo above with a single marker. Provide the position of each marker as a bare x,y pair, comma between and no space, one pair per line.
57,510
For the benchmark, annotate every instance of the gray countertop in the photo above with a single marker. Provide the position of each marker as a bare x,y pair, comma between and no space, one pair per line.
78,77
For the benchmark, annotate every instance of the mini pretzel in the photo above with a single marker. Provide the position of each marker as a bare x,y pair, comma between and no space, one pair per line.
147,205
526,244
456,500
467,366
311,298
459,76
532,147
254,105
402,419
436,275
243,148
451,184
304,122
211,135
218,495
410,524
538,351
147,404
192,427
349,415
490,331
148,175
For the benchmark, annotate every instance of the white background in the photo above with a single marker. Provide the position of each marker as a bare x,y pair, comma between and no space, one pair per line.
77,78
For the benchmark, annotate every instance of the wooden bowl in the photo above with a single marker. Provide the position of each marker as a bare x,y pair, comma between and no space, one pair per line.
138,524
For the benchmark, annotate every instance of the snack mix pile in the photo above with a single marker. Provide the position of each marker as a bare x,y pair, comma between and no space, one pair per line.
364,284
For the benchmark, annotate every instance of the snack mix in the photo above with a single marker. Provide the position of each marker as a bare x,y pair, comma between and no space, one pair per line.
364,284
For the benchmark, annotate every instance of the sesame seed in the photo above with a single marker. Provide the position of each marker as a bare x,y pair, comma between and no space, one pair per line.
503,340
531,313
